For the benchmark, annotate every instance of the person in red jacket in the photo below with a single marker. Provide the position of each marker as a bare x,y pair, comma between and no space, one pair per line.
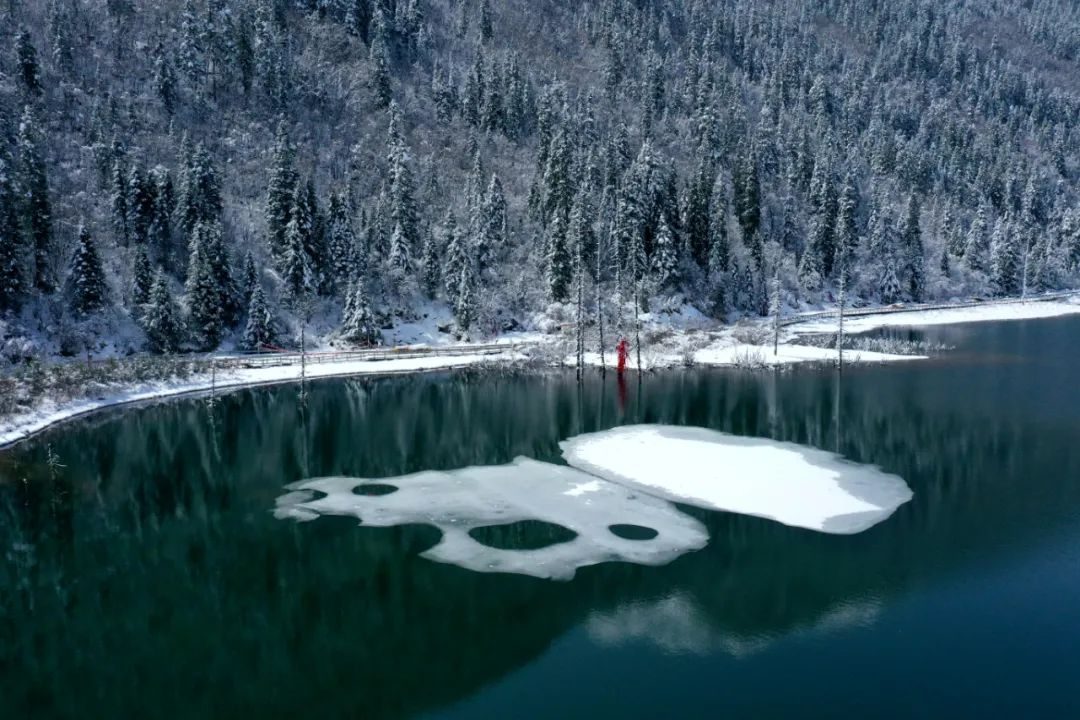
623,349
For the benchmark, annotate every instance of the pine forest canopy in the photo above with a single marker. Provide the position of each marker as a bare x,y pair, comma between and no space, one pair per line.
191,173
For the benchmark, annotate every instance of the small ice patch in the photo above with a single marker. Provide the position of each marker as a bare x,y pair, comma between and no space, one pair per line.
792,484
459,501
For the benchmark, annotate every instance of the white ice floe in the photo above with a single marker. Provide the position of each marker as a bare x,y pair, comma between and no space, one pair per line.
921,318
461,500
792,484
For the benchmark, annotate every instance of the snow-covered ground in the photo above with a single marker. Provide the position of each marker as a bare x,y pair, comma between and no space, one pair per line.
49,413
922,318
678,336
792,484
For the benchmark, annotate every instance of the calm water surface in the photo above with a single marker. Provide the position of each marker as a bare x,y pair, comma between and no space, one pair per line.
148,577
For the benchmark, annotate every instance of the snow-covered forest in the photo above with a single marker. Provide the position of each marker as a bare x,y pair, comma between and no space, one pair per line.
194,174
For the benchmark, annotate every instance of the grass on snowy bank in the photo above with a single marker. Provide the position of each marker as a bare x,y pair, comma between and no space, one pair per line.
878,344
26,385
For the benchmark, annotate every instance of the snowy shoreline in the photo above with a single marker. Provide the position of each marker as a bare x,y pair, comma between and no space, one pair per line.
714,350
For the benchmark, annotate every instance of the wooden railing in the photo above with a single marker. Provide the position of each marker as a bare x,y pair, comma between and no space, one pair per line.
273,359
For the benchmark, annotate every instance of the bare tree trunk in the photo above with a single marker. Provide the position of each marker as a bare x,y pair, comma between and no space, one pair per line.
600,310
637,323
840,334
775,302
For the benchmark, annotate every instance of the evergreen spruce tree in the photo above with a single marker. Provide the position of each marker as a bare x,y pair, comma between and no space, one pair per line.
161,321
430,269
259,331
914,255
465,302
748,208
37,209
494,221
976,246
13,270
296,269
698,205
279,193
159,233
341,242
26,58
249,277
847,232
205,312
358,324
666,258
142,278
487,30
87,288
456,258
165,81
119,202
1004,259
559,270
379,57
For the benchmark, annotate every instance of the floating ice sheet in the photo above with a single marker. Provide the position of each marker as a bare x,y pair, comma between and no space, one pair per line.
789,483
461,500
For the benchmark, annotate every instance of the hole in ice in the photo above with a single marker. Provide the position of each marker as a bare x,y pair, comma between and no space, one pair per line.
522,535
374,489
632,532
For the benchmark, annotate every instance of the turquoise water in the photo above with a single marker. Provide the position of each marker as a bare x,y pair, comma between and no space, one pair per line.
148,576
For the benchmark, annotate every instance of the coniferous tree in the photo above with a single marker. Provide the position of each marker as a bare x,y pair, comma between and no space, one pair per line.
87,288
1004,259
698,205
358,325
976,247
487,30
142,278
559,269
29,70
165,81
430,270
249,277
207,316
380,72
494,219
341,243
37,209
259,330
914,256
161,321
13,270
666,258
465,299
456,258
279,193
60,37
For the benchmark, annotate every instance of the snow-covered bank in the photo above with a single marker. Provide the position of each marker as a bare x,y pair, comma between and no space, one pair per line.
987,312
48,412
791,484
726,352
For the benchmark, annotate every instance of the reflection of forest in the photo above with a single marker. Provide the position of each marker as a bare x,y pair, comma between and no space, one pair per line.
152,571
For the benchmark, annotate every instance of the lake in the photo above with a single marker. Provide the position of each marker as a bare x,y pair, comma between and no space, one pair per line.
144,572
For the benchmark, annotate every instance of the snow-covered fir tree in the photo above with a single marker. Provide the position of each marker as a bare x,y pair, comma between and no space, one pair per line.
732,127
358,325
259,332
161,322
88,291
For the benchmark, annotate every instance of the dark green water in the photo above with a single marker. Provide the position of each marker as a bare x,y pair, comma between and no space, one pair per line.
148,577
